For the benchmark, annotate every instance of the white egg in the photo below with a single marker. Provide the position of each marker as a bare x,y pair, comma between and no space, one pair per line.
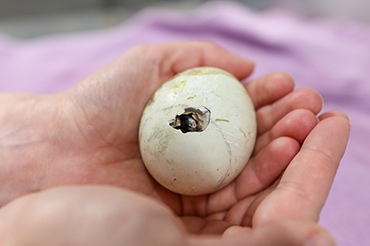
198,131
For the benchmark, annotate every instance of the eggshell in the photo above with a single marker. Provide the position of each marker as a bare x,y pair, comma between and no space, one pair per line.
198,162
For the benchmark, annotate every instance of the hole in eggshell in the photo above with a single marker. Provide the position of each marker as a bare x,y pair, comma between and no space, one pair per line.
192,120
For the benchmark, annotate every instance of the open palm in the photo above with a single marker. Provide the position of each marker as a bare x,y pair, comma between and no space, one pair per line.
97,139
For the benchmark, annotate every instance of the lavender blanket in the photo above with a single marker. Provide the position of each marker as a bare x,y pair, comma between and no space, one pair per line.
330,56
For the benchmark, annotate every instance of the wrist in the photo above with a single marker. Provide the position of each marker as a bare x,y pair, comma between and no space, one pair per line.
25,120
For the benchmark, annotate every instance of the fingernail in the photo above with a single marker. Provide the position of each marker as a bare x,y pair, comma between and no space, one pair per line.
321,239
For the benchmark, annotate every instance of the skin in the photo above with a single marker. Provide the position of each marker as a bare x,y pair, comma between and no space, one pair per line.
103,215
89,135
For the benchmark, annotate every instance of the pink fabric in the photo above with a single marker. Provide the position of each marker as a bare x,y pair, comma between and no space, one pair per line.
330,56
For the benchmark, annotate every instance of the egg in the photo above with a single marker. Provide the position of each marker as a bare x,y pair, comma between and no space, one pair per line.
198,131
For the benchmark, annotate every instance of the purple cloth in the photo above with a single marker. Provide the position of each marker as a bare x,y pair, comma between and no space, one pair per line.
330,56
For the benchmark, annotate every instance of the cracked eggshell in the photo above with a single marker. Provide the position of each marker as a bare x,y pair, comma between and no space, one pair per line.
196,163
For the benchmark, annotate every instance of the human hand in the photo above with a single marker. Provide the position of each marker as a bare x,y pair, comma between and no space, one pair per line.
90,136
103,215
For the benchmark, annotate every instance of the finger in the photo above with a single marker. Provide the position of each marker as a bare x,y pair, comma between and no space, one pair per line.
296,124
261,171
237,213
333,113
307,180
248,217
178,57
266,166
287,232
303,98
269,88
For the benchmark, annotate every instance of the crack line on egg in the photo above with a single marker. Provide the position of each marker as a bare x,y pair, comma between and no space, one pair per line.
228,133
233,143
222,132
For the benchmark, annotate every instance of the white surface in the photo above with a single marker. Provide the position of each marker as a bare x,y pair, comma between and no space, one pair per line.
196,163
